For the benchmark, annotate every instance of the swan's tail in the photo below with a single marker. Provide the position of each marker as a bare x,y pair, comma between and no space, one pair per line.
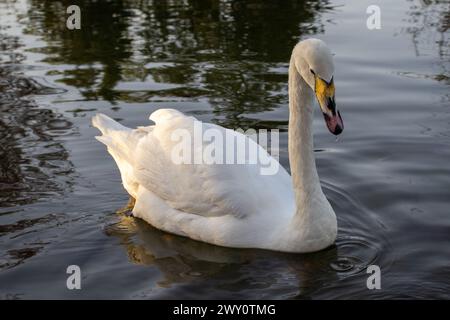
121,142
114,134
105,124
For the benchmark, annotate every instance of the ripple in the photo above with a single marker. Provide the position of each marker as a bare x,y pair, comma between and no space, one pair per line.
59,124
355,254
342,265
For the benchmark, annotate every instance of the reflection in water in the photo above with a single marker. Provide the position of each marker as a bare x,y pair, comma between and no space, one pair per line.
222,50
429,28
430,21
197,264
33,164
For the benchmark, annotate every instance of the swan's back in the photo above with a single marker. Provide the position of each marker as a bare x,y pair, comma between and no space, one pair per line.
145,159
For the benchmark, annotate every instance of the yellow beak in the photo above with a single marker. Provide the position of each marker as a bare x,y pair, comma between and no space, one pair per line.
325,96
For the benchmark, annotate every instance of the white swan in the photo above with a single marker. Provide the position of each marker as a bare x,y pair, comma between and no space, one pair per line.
234,205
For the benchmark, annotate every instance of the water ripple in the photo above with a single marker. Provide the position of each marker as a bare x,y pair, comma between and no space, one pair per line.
355,254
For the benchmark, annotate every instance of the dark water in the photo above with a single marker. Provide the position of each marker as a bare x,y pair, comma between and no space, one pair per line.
388,176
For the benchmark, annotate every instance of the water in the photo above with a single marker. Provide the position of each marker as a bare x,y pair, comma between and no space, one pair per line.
226,62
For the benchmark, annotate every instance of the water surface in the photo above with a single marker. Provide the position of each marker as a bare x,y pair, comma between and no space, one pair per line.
226,62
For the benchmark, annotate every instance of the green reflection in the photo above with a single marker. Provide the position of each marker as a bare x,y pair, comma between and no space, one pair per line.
232,53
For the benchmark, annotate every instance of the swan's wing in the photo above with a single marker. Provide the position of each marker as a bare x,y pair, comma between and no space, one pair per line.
202,189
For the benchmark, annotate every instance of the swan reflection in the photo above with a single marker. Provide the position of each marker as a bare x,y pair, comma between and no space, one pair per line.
196,264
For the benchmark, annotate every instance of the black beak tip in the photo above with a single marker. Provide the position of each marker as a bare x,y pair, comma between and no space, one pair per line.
340,126
338,130
335,125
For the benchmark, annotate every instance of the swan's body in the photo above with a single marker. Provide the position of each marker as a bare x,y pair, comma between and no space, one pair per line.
232,205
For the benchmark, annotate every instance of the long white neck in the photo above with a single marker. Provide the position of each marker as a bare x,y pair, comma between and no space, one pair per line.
313,225
301,150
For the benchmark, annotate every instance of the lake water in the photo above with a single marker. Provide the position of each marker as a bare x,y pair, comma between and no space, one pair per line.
387,177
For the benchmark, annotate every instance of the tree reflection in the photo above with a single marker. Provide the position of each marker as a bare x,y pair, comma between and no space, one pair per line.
429,25
225,51
102,40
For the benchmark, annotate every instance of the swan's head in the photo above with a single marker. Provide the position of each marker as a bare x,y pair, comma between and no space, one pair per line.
314,62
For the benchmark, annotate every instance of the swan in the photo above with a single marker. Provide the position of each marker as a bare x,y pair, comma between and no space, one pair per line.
235,205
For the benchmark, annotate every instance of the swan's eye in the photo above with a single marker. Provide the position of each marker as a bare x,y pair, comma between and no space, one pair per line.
312,71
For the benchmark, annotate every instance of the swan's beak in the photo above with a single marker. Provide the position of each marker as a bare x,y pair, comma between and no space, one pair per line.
325,97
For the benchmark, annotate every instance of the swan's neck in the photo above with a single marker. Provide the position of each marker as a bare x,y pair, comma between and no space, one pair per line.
301,150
